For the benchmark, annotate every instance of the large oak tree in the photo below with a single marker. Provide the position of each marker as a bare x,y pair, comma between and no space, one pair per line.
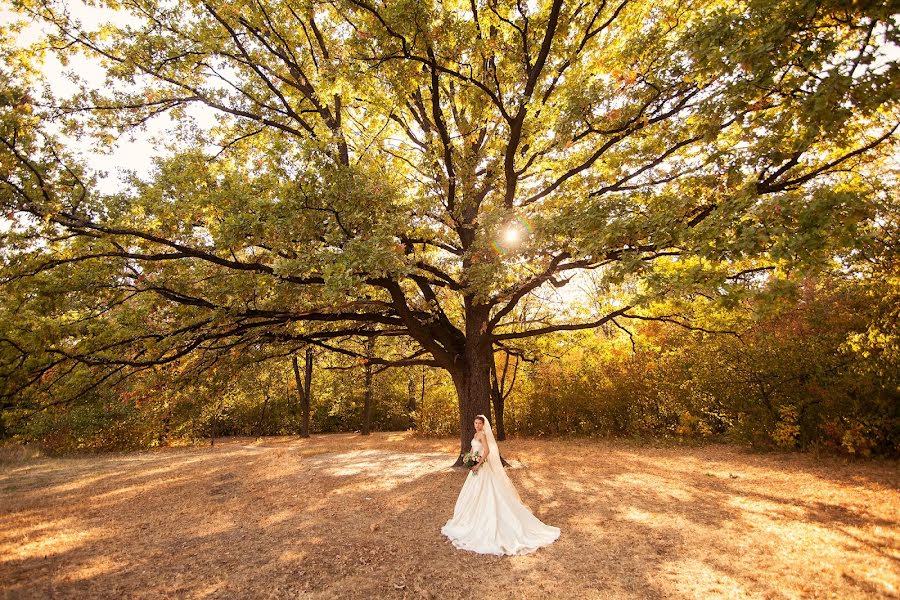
416,169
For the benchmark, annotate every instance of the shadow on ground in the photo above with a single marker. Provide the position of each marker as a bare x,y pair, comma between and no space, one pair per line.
345,516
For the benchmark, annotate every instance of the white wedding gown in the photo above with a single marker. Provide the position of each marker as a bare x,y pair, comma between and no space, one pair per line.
489,517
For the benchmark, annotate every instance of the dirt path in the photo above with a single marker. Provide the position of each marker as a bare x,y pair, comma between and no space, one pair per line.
344,516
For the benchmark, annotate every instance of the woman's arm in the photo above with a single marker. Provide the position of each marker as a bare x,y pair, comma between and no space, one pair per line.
485,450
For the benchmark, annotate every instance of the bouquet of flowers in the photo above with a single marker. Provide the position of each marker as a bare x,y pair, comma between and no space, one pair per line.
470,459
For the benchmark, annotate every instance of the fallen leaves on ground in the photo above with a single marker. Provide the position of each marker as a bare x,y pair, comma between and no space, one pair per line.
347,516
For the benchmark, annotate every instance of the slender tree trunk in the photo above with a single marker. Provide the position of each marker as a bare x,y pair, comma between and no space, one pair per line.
367,400
215,422
262,415
298,410
307,395
498,397
304,392
411,400
163,438
422,395
498,418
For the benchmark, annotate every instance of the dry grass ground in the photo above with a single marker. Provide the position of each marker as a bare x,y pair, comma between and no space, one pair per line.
344,516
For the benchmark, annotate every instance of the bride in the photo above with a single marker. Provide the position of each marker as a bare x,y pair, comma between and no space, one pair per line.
489,517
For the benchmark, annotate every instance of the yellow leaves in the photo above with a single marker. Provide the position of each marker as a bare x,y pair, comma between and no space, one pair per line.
761,104
787,430
857,439
626,76
24,107
691,425
106,32
670,20
230,10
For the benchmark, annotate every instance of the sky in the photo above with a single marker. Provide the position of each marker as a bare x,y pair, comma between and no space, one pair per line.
132,151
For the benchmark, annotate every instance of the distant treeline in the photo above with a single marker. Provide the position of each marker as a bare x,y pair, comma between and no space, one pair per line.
816,369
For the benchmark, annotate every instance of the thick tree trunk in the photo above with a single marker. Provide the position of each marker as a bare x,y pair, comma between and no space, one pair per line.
473,390
367,400
472,378
473,387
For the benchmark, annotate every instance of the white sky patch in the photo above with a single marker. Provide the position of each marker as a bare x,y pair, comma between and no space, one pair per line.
135,149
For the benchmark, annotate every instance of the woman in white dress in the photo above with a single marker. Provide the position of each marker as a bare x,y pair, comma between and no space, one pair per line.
489,517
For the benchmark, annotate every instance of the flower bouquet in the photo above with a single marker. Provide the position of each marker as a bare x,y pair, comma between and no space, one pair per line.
470,459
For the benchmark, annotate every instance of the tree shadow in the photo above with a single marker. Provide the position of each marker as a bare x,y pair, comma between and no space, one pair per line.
360,516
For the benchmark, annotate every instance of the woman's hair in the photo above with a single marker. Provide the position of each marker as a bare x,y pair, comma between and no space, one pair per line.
479,418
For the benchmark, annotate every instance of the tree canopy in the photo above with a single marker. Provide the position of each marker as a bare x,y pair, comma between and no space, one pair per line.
415,170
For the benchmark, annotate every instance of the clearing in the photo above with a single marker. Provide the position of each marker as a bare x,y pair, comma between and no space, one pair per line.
347,516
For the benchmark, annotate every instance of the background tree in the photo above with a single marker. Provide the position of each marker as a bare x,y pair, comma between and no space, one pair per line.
367,398
415,170
304,390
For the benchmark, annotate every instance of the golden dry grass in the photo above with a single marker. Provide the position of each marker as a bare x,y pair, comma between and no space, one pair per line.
344,516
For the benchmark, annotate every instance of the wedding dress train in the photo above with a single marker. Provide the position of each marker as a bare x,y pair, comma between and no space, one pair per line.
489,517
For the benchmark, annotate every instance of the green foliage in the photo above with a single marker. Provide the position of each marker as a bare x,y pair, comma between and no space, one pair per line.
367,159
594,393
794,379
93,425
798,377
